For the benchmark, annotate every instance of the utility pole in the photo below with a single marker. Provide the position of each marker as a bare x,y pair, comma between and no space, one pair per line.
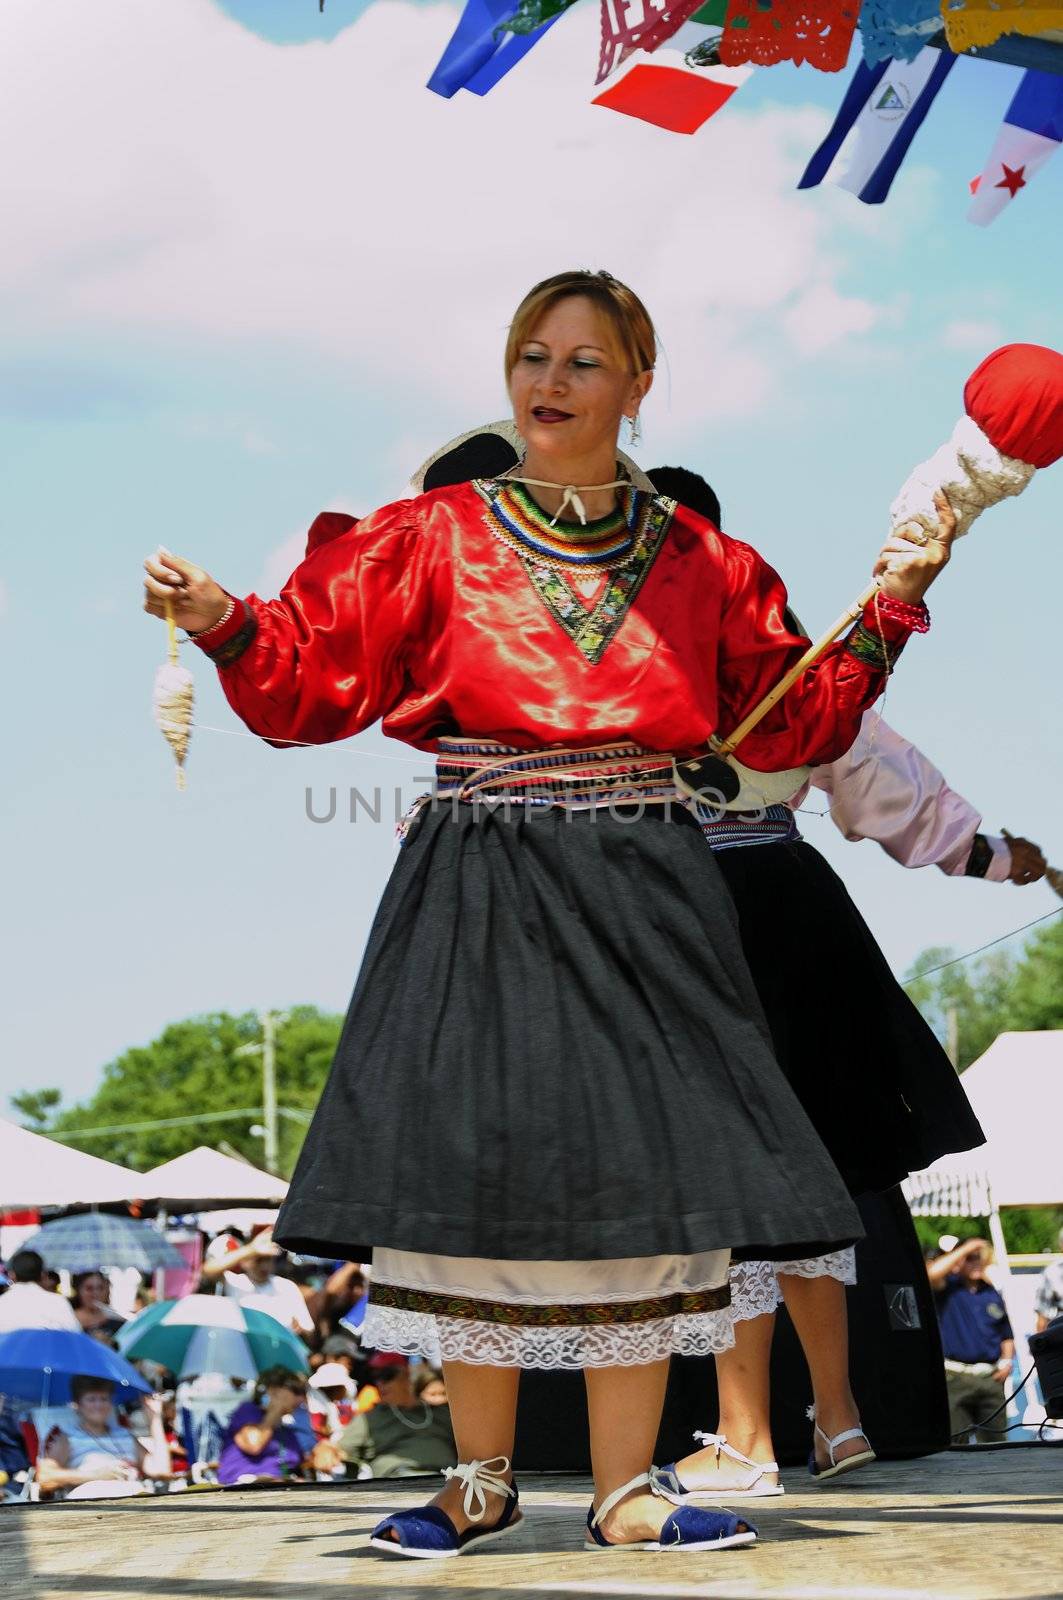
268,1129
952,1036
269,1088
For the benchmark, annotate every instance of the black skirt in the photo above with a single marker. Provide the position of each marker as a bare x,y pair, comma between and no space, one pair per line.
555,1051
879,1089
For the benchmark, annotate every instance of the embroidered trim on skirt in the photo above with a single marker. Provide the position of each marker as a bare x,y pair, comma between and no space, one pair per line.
550,1314
755,1288
554,1010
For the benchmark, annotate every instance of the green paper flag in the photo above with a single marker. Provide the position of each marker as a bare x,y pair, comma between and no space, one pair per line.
711,14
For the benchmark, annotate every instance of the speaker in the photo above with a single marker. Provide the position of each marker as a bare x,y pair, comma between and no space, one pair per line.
895,1361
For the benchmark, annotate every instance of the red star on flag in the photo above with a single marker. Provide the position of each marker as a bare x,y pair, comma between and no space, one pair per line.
1012,180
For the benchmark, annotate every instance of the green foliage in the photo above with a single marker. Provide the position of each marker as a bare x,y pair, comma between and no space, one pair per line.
37,1107
192,1067
1001,993
1028,1230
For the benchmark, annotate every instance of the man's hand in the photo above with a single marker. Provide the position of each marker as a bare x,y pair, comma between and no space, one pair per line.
1028,864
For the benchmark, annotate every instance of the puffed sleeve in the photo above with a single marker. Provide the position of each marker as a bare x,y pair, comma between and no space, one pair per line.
885,789
819,717
333,652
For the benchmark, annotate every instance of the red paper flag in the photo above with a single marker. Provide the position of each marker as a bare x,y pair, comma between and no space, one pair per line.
654,22
671,96
765,32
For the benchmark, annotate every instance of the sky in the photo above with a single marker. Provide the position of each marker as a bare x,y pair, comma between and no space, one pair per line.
252,269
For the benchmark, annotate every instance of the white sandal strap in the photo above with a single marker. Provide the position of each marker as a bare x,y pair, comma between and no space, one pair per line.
718,1441
839,1438
481,1478
617,1495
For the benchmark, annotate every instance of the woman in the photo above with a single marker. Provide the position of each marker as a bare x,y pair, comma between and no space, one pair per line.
263,1440
92,1305
405,1435
536,966
94,1456
822,979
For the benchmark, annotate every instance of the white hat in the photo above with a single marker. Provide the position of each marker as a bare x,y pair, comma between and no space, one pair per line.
506,429
332,1375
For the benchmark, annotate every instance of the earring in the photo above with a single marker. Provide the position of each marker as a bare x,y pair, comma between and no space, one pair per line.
636,431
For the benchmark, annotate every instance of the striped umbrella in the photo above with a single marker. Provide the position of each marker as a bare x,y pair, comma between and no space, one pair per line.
94,1241
210,1333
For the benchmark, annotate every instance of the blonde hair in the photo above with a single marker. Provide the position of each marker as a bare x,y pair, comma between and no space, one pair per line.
625,315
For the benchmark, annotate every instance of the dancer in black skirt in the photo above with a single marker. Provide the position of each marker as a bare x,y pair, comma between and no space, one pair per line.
878,1087
557,636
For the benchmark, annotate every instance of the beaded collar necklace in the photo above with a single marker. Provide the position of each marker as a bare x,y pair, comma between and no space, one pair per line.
601,544
570,493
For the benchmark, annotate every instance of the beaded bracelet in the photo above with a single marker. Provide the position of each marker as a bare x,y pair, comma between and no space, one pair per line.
205,633
916,617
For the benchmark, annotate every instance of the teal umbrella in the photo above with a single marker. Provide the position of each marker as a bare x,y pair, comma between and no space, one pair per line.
210,1333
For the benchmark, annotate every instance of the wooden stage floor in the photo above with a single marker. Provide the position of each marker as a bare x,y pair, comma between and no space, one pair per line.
985,1524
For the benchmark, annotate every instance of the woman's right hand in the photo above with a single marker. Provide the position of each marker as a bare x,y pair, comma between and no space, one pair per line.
197,602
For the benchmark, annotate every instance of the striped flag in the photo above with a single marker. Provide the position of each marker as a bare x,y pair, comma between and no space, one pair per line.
883,110
1030,135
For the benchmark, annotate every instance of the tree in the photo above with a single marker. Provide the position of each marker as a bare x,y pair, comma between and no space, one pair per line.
1000,993
195,1067
37,1107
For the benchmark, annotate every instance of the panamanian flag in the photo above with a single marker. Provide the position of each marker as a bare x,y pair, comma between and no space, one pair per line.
1030,134
883,109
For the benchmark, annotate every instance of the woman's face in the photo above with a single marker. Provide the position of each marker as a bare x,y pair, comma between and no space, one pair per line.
569,388
95,1290
95,1407
434,1393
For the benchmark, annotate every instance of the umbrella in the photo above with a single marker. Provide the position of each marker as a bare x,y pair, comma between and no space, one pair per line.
37,1364
93,1241
210,1333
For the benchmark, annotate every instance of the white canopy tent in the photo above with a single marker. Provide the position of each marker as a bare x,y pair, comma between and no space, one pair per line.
37,1172
204,1180
1016,1090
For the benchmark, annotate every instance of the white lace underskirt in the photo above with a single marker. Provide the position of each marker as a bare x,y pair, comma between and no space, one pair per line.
755,1288
549,1314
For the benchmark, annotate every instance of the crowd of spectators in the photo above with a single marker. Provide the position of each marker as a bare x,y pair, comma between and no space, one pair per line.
355,1413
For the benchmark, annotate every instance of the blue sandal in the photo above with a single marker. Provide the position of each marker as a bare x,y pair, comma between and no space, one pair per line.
428,1534
685,1529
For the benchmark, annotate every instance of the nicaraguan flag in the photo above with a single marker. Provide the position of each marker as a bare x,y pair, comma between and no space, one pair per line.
883,110
1031,132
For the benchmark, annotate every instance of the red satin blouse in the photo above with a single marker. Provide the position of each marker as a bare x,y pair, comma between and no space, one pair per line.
442,617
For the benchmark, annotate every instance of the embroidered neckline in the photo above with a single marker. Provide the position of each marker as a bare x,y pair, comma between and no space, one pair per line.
572,549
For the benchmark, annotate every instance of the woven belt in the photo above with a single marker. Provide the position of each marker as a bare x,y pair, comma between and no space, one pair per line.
483,770
973,1369
733,830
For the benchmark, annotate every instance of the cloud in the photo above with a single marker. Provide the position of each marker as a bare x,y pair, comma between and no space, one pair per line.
972,334
199,182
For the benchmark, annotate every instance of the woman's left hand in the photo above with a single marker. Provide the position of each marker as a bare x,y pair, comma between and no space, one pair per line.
911,558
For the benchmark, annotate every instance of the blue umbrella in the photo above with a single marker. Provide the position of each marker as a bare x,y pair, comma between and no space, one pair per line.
37,1364
94,1240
